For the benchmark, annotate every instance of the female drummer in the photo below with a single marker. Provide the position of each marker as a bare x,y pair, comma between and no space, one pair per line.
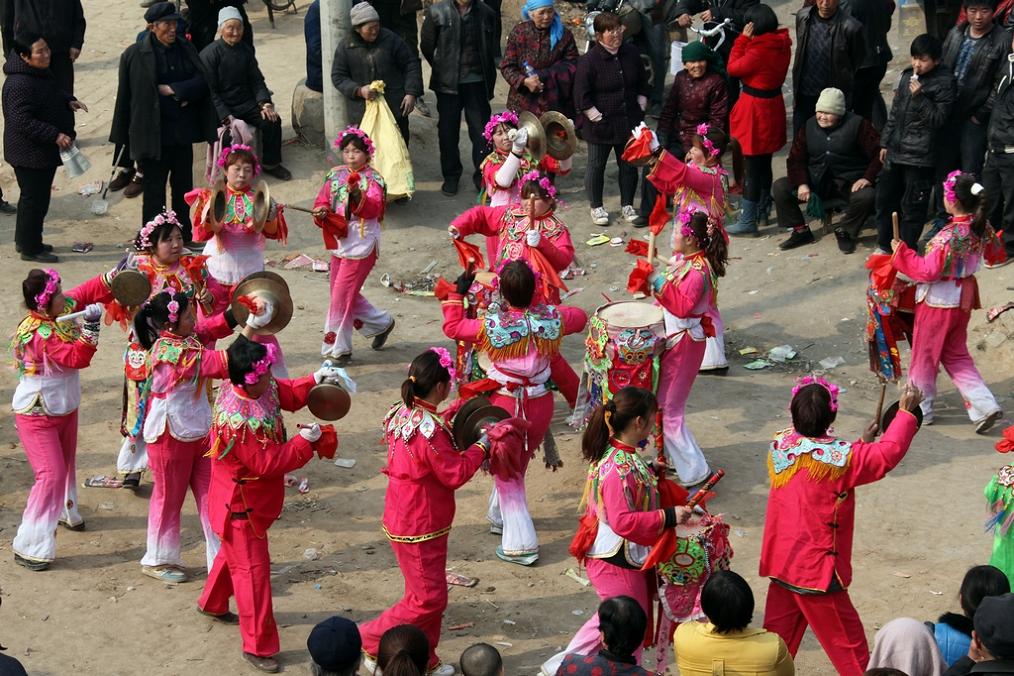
622,518
685,291
160,257
700,183
521,340
349,209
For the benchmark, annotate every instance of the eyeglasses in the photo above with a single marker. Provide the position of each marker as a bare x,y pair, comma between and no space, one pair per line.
614,31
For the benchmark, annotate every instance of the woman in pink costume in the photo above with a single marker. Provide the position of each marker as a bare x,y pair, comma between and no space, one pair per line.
529,231
424,468
521,340
236,250
349,209
699,183
504,168
946,295
161,257
685,291
176,419
623,517
48,355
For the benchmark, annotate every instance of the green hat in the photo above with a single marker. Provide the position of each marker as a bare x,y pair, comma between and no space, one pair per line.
698,51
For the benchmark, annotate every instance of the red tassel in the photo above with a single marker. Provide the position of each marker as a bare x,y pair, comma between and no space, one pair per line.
507,446
584,538
637,282
659,216
469,255
327,445
882,273
1006,444
443,289
334,227
638,148
248,303
638,247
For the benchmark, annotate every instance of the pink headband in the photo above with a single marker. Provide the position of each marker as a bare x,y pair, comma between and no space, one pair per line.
543,182
355,131
445,360
43,297
261,366
144,241
223,159
506,117
702,131
173,306
831,388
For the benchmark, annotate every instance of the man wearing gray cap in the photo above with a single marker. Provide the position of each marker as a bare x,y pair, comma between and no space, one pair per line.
373,53
992,649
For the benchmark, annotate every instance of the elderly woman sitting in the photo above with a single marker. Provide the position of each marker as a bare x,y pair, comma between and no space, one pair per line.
539,61
726,638
238,89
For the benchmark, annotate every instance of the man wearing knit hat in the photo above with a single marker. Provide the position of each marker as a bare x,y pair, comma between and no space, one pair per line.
371,52
836,155
992,649
335,648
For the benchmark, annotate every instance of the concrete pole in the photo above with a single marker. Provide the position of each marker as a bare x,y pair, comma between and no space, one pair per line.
334,27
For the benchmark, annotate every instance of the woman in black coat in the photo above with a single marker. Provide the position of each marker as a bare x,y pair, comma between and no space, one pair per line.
38,124
610,95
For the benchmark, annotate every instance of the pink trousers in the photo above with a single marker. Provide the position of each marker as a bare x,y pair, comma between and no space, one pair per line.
940,338
243,569
176,466
349,309
424,601
679,368
508,503
50,442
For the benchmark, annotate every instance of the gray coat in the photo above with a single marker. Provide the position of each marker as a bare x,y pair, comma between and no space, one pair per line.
388,58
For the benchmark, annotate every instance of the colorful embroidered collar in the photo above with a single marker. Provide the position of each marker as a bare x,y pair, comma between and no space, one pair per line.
823,457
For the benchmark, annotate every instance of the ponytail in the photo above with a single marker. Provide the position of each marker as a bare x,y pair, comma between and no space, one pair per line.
613,418
144,329
403,651
424,374
970,195
153,316
402,664
711,239
737,160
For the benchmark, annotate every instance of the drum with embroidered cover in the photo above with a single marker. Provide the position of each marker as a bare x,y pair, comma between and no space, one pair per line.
624,342
702,547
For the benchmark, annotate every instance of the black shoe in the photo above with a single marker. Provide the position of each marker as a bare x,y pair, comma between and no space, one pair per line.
42,256
720,371
450,186
846,244
77,527
797,238
227,617
48,248
132,481
477,181
29,564
342,359
7,208
381,338
268,664
121,181
279,172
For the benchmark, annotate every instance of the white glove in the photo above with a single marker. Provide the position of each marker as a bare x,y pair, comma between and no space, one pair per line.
636,131
453,232
520,140
642,101
263,319
593,114
92,313
533,237
311,433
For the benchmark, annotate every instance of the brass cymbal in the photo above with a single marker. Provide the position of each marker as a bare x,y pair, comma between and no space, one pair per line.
265,287
561,140
329,402
536,134
130,288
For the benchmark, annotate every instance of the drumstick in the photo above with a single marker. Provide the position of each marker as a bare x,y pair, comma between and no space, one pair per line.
880,402
295,208
651,246
708,485
71,317
894,224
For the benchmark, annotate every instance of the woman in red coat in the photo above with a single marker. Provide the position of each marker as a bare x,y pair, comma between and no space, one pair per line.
760,59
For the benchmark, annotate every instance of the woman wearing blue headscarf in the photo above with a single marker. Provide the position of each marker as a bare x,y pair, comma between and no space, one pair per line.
539,62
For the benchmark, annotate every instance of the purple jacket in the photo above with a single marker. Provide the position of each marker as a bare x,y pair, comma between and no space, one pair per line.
610,83
35,113
692,102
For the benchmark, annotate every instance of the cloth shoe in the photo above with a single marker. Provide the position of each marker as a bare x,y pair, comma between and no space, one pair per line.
41,257
122,180
442,669
7,208
381,338
268,664
746,225
422,108
30,564
227,617
132,481
631,216
986,424
846,244
170,574
48,248
524,559
599,216
78,527
450,186
798,238
134,188
369,664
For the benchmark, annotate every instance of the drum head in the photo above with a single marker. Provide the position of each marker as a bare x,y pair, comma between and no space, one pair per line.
130,288
329,402
630,314
892,411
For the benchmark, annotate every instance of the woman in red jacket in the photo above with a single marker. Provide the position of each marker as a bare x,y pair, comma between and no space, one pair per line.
760,59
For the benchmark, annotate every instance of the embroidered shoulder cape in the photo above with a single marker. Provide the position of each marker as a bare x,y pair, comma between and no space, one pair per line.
509,333
822,457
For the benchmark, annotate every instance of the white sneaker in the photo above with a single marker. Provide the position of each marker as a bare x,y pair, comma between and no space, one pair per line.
442,669
600,216
631,216
369,665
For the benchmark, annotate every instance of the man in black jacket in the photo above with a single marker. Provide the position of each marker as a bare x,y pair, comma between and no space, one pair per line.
922,105
998,174
60,22
829,50
875,16
238,89
165,74
460,41
992,649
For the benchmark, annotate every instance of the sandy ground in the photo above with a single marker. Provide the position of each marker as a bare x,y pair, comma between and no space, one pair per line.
94,613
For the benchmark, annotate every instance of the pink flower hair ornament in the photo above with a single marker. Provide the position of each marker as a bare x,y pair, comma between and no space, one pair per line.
223,158
446,361
506,117
144,238
52,284
702,130
261,366
355,131
173,306
542,180
949,183
686,216
831,388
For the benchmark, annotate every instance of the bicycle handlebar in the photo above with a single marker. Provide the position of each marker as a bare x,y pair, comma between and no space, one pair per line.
711,32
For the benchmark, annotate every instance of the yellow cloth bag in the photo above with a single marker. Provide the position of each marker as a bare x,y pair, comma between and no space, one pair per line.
391,159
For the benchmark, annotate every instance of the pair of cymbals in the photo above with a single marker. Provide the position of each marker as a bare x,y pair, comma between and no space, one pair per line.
219,200
472,418
552,134
269,287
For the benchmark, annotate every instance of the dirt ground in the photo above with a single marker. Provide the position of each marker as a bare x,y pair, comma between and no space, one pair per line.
94,613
